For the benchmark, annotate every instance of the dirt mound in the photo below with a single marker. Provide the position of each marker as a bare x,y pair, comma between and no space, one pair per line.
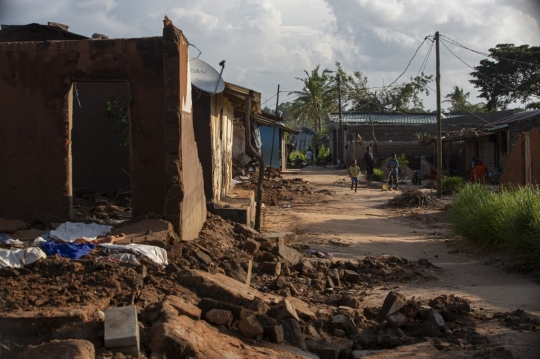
413,197
520,320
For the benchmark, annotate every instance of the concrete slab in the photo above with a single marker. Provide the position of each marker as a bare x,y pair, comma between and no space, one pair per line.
121,327
156,231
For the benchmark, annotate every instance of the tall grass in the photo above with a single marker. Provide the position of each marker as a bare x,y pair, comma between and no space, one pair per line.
509,219
452,184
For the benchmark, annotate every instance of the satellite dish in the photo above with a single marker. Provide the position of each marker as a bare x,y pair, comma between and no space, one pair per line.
205,77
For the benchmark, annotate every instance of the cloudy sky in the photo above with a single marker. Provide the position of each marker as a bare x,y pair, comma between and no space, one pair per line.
271,42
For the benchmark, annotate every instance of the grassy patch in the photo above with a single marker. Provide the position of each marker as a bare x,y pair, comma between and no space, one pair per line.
509,219
378,175
452,184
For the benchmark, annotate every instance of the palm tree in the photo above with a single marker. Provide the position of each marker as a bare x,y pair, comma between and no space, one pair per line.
458,99
315,99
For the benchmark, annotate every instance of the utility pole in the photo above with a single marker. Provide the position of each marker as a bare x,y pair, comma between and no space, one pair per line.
340,132
439,126
274,128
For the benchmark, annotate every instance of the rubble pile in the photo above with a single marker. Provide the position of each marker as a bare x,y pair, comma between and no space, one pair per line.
91,205
413,197
234,291
278,190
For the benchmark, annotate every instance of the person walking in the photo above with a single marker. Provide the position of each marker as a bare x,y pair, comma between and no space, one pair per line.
309,156
354,171
369,163
393,166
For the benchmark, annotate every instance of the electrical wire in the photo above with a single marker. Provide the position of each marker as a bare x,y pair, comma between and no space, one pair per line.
426,59
200,52
454,42
487,77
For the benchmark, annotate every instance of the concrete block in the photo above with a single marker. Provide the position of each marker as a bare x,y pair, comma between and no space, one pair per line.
280,237
289,254
394,301
121,327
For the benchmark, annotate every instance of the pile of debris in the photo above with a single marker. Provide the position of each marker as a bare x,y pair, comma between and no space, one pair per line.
204,300
111,209
278,190
413,197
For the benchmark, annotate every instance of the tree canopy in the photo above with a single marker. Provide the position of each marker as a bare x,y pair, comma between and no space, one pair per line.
459,103
513,74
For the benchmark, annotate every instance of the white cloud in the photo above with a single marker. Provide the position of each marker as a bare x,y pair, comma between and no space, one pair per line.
266,42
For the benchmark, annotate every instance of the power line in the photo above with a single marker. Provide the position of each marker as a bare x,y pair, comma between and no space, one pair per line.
454,42
487,77
426,59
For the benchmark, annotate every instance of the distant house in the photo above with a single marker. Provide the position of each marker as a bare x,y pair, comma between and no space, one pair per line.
398,132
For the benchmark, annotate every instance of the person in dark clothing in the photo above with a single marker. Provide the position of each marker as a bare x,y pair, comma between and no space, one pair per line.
393,166
369,163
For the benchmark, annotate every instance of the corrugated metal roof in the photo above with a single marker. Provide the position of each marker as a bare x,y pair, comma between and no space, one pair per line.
395,117
520,116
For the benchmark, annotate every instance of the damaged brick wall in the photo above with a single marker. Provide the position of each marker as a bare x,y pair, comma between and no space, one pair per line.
185,204
36,87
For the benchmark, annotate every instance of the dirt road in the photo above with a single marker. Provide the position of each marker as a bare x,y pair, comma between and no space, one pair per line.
349,224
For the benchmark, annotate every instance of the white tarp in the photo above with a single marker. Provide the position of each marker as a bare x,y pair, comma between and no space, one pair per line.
69,231
18,258
156,254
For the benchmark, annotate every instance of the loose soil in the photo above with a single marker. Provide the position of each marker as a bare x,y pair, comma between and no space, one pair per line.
355,225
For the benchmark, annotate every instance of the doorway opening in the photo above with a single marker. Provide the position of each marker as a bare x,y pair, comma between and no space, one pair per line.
100,151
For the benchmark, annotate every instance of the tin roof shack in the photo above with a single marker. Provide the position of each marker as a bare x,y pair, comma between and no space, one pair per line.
271,129
36,85
397,132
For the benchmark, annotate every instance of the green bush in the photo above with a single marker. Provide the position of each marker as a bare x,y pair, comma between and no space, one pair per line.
378,175
509,219
452,184
300,154
324,151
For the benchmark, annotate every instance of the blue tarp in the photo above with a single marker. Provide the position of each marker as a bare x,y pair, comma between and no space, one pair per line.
67,250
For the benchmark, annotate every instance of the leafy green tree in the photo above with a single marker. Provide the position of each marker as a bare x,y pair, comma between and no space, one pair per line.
316,98
512,74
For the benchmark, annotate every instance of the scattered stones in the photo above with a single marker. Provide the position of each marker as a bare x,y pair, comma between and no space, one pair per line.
351,276
271,268
71,348
203,257
251,246
284,310
293,333
397,320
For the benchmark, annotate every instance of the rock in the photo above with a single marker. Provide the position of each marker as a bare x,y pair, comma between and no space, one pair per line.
394,301
238,312
71,348
349,301
334,275
271,268
429,329
11,225
318,285
289,254
284,310
397,320
390,341
203,257
339,333
250,327
293,333
268,257
274,333
280,237
172,268
351,276
245,230
219,317
251,246
182,337
279,283
431,315
179,307
323,348
329,283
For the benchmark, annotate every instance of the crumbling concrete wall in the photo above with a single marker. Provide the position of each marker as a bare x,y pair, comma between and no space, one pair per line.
185,204
522,165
